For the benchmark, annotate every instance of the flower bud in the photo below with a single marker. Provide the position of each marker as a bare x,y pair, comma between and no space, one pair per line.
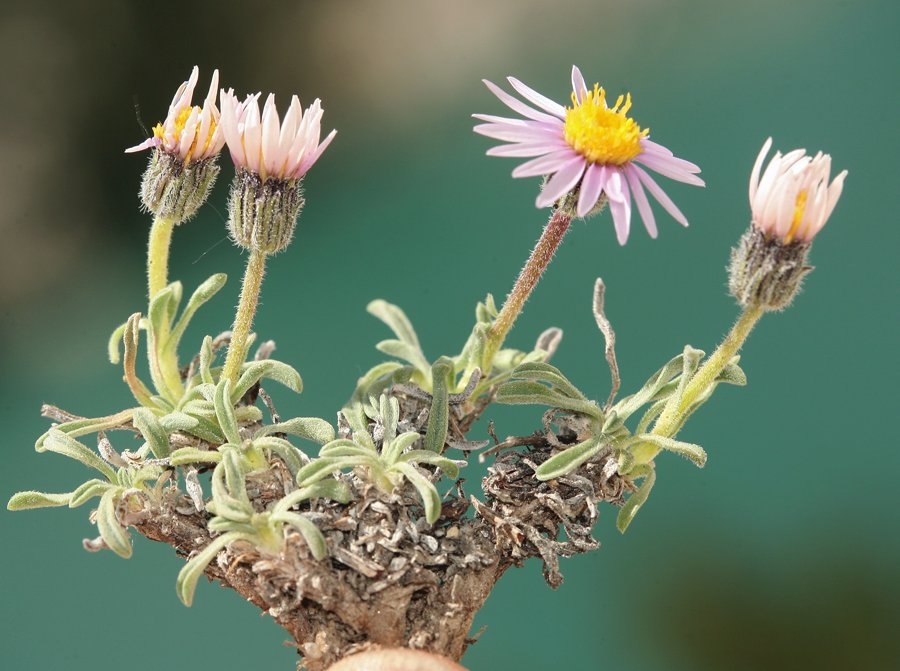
183,166
270,157
789,206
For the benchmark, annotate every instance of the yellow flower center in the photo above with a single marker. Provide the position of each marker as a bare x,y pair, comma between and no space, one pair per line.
159,131
799,209
604,135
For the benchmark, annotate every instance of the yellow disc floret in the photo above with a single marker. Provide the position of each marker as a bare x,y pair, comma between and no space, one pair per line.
173,134
799,209
604,135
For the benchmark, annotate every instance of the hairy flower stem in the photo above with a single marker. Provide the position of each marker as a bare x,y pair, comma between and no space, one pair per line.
243,320
672,416
540,258
158,255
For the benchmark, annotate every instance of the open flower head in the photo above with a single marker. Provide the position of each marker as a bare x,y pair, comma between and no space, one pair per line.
793,199
271,157
190,132
263,144
590,152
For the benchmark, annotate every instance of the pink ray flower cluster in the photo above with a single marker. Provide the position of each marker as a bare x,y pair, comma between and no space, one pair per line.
589,151
263,144
793,200
190,132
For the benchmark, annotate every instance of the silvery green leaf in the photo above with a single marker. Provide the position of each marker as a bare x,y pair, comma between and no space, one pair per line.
569,459
637,499
688,450
83,427
220,525
247,414
654,411
448,466
270,369
396,320
527,392
177,421
152,431
234,475
733,374
206,359
487,311
544,372
201,295
323,467
292,457
186,583
111,530
64,444
406,352
346,448
340,443
225,412
310,428
185,456
323,489
364,439
131,343
630,404
438,417
431,500
395,448
112,347
88,490
377,373
31,500
389,411
310,532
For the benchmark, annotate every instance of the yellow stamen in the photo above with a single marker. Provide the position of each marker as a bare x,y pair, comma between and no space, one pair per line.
799,209
604,135
159,131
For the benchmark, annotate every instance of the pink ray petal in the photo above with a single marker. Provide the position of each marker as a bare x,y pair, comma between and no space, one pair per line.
562,182
643,204
546,164
660,195
579,88
620,206
527,149
541,101
669,167
591,187
516,105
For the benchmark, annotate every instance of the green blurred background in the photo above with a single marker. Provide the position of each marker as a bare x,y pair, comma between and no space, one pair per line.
782,554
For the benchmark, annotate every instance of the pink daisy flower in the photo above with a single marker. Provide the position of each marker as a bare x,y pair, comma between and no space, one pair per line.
793,200
190,132
262,144
590,151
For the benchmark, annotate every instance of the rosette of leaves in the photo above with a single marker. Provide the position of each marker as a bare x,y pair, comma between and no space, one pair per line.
383,457
176,402
603,428
125,482
412,365
257,448
235,519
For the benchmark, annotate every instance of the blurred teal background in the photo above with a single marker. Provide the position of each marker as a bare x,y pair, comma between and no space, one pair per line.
783,553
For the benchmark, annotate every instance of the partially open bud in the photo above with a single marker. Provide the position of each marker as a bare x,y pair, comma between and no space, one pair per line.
183,167
789,205
271,159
